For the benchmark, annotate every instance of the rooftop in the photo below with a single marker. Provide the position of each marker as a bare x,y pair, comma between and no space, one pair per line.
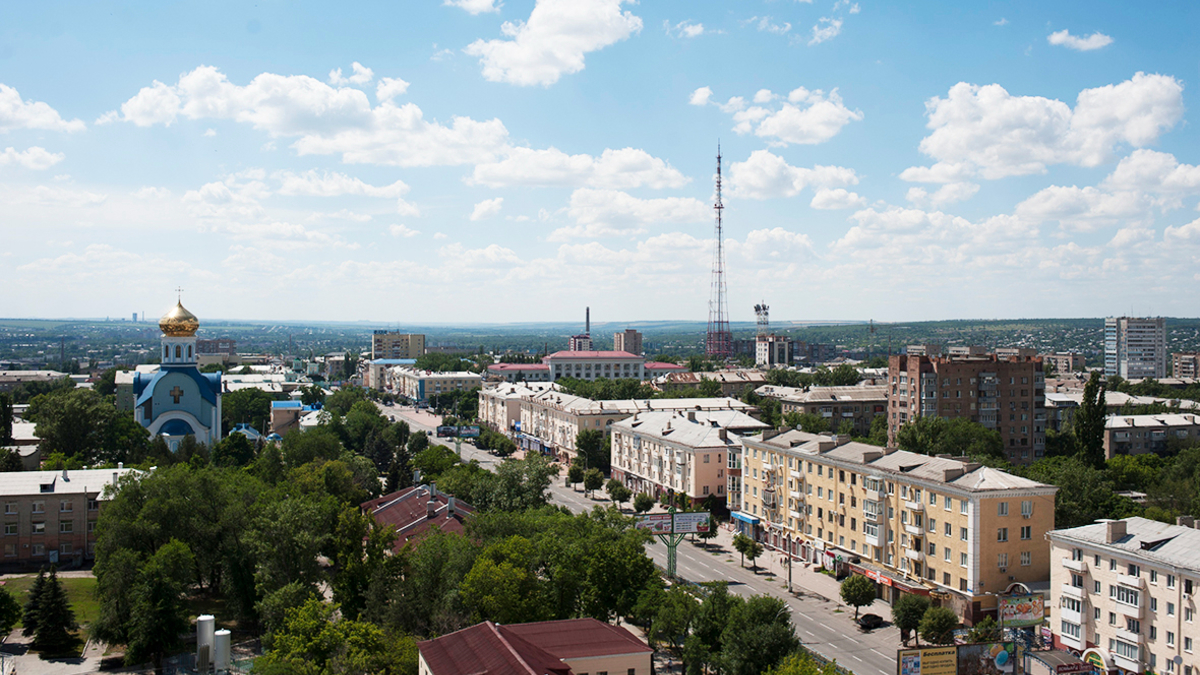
1150,421
1155,542
586,406
526,648
85,481
509,367
408,511
702,432
566,354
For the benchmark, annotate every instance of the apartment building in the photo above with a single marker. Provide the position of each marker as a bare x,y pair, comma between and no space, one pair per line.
392,345
771,351
1138,434
628,341
912,523
519,372
683,452
374,372
419,385
1185,365
1006,394
500,405
1065,362
858,405
1122,594
1060,407
50,516
551,420
1135,347
733,382
593,365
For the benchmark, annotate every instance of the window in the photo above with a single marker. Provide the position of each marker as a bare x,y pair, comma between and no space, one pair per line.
10,550
1077,580
1072,604
1133,625
1170,609
1026,558
1112,564
949,529
1002,509
1134,570
65,549
1170,581
1071,629
39,528
1154,576
39,507
66,506
962,559
1187,644
946,503
962,533
1125,649
1026,532
1188,614
10,529
1002,534
1112,618
1153,604
1096,587
962,506
91,526
39,549
10,508
1125,596
1170,639
1002,560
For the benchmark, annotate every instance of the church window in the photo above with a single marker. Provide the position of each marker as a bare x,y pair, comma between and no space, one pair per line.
178,351
189,351
166,351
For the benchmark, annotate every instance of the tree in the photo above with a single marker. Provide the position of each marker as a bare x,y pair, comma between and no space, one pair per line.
233,450
710,533
159,615
857,591
642,502
802,663
6,419
574,475
592,480
758,635
33,606
741,544
312,395
621,494
313,640
985,631
10,611
753,550
907,612
929,435
341,401
589,449
1088,422
433,461
416,443
1084,493
673,620
249,406
504,586
10,460
937,625
71,421
55,620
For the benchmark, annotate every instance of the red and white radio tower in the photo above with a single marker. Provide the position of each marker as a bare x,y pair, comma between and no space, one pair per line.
719,341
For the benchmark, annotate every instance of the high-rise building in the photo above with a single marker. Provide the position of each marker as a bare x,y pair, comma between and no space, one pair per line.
1007,394
629,341
1185,364
1135,348
389,345
771,351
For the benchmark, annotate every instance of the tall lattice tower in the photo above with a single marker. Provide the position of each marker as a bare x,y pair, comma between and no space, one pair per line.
719,341
762,315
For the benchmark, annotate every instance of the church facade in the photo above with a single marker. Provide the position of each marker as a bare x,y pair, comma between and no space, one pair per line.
179,400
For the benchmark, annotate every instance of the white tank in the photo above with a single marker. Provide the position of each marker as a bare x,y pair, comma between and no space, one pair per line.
205,625
221,644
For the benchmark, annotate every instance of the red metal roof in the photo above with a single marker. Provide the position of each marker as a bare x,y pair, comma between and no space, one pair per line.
566,354
518,366
526,648
662,365
407,511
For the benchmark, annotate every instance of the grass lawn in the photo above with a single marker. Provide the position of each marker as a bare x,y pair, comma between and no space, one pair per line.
81,593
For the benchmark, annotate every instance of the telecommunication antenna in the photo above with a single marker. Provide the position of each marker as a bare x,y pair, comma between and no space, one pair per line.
762,315
718,341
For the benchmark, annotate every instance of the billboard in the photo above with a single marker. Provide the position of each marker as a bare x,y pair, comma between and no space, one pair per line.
987,658
657,523
691,523
445,432
1017,611
468,432
927,661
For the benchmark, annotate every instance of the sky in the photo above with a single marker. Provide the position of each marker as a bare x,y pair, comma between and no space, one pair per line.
480,161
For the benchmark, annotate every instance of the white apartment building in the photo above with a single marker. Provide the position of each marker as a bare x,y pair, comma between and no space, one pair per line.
593,365
1122,594
500,405
1135,347
419,385
682,452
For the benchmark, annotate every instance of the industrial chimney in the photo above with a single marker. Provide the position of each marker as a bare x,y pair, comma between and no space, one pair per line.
587,321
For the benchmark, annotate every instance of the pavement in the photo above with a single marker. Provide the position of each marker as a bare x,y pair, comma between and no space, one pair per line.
15,651
823,623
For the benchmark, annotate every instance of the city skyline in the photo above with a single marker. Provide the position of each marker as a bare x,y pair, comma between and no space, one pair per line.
481,162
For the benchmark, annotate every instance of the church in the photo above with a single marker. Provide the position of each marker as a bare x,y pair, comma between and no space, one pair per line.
179,400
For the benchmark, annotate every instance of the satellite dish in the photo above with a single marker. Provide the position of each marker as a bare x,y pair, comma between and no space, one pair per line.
1178,659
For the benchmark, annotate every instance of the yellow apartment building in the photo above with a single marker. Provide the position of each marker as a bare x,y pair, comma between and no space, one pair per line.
939,526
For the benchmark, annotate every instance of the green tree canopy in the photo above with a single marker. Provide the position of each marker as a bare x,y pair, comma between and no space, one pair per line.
857,591
957,436
907,611
937,625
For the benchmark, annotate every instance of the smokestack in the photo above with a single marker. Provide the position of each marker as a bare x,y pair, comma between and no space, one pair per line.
587,321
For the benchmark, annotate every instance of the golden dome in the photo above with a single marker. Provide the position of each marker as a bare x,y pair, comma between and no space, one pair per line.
179,322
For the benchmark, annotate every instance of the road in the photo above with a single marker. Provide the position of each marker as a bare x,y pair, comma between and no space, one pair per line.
822,622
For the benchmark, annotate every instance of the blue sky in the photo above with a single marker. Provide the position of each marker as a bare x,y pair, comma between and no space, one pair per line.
486,161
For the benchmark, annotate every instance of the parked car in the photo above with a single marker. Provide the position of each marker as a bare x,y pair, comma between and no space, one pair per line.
869,621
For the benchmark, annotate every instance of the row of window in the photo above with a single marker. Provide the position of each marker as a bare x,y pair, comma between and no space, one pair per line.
38,550
39,506
1131,569
64,527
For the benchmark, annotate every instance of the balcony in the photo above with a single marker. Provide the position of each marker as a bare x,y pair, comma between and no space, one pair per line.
1075,565
1071,616
1131,581
1127,664
871,517
1129,636
796,514
915,506
768,498
914,554
795,473
1073,592
913,530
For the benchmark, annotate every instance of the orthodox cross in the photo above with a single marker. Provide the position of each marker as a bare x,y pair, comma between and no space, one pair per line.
176,394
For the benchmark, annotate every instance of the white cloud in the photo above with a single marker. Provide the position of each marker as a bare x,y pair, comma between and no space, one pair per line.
487,208
333,184
824,30
806,118
839,198
1153,171
48,195
362,75
767,25
18,114
608,213
988,132
389,88
1002,22
279,234
684,29
1083,209
36,158
342,214
733,105
764,96
947,194
439,235
475,7
324,120
489,257
775,245
700,96
554,41
620,169
403,231
765,175
149,192
1082,44
942,172
209,133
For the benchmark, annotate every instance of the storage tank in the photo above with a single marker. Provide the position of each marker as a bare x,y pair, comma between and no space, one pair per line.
205,625
221,646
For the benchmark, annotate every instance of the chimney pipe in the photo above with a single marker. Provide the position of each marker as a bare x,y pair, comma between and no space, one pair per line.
431,508
587,321
1113,530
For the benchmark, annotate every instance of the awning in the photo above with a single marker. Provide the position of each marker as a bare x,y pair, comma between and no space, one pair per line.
745,517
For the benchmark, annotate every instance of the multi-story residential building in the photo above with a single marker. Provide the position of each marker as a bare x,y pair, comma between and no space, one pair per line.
970,350
1005,394
628,341
1005,352
858,405
593,365
227,346
733,382
500,406
374,372
390,345
1064,362
519,372
683,452
771,351
50,516
419,385
923,350
1122,594
1139,434
910,522
551,420
579,343
1060,407
1185,365
1135,347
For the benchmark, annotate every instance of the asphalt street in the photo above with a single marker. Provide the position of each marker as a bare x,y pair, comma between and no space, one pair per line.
822,622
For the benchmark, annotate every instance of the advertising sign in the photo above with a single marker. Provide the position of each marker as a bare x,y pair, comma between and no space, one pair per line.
468,432
445,432
1018,611
691,523
657,523
987,658
929,661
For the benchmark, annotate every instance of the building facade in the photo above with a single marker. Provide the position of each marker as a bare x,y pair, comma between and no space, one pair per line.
580,343
1185,365
1122,594
910,522
390,345
419,385
519,372
628,341
500,405
733,382
593,365
858,405
771,351
1005,394
1135,347
227,346
1065,362
1139,434
682,452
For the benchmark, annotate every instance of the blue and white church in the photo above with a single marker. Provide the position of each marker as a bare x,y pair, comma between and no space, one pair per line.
179,400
